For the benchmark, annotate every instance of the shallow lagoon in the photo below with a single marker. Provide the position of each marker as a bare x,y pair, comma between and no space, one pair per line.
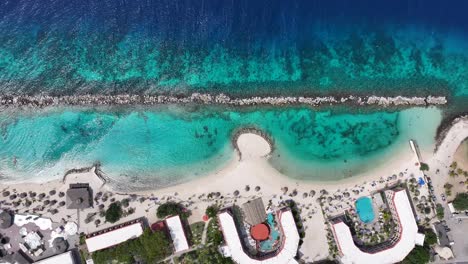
165,146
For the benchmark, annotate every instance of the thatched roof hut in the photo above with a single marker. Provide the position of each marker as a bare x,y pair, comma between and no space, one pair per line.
6,219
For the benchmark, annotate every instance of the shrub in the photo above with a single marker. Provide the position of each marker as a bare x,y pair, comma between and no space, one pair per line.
424,167
431,237
440,211
212,211
419,255
171,208
114,212
461,201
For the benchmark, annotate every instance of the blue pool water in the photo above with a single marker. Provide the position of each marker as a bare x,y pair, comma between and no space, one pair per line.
365,210
267,245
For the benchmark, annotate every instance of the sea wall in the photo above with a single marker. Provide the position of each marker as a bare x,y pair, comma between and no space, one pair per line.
221,99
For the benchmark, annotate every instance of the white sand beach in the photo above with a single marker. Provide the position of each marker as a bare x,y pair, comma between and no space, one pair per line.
250,176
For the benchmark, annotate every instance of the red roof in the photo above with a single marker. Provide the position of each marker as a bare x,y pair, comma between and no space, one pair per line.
205,218
260,232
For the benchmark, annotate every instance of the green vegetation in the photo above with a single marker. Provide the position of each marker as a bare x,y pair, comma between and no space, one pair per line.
82,238
148,248
212,211
114,212
170,209
461,201
440,211
424,167
206,255
197,231
214,235
419,255
431,237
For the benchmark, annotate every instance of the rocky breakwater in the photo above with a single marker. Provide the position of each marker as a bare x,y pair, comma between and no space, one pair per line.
220,99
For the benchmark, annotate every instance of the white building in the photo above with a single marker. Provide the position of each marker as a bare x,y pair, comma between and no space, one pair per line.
285,254
64,258
114,236
176,230
392,251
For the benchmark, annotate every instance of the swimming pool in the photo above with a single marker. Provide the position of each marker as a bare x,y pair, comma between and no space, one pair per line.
364,209
268,245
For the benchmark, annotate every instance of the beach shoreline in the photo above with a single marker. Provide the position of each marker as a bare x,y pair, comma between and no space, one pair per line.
247,176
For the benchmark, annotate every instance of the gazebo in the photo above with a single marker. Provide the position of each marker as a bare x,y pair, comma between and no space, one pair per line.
78,196
59,245
6,219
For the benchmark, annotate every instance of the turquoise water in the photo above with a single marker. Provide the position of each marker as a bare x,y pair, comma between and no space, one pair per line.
365,210
158,147
267,245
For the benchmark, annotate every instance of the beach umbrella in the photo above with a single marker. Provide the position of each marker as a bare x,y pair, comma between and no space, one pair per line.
71,228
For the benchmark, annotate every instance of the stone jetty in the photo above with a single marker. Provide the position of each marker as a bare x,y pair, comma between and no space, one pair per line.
41,101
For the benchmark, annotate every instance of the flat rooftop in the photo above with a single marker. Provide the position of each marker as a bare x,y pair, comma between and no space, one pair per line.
106,239
64,258
176,230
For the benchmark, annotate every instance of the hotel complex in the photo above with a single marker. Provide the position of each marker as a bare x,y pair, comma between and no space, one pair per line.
236,248
404,238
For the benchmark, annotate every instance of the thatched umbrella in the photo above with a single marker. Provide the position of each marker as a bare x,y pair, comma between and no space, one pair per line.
312,193
247,188
257,188
6,193
236,193
284,189
23,195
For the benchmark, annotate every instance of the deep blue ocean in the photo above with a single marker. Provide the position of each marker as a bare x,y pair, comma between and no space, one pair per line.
241,48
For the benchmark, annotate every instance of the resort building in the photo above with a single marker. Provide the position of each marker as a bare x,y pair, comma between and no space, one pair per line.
236,248
79,196
405,235
113,236
176,230
64,258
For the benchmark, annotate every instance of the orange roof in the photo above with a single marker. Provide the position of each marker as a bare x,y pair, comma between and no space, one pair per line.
260,232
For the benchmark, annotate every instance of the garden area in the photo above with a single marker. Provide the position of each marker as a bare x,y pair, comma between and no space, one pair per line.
421,202
148,248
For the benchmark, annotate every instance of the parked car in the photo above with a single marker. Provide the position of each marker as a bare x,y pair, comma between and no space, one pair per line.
443,197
